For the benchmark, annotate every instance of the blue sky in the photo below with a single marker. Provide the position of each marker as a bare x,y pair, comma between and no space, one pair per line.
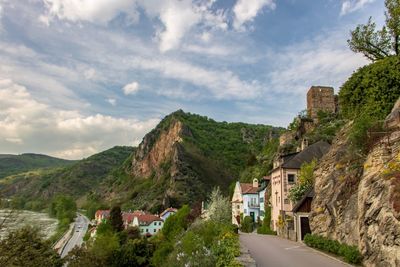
80,76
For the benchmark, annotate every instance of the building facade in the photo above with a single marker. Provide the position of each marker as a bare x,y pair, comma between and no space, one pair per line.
284,176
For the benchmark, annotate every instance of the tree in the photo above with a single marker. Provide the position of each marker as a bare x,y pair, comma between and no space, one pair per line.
220,207
25,247
378,44
116,219
306,181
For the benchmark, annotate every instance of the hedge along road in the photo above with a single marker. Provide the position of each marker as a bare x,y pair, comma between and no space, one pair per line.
273,251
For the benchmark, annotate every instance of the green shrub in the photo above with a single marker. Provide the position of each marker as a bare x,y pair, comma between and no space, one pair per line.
372,90
247,225
265,226
349,253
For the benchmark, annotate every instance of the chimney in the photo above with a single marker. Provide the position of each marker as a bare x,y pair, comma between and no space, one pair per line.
304,144
255,183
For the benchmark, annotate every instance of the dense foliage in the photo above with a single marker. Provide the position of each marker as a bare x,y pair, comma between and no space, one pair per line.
113,248
209,242
368,96
116,219
14,164
247,225
265,227
305,181
25,247
349,253
64,209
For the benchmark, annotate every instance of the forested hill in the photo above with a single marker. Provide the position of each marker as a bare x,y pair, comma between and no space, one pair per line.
81,177
13,164
185,156
179,162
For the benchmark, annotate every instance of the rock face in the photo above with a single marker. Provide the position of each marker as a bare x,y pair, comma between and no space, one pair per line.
360,205
152,153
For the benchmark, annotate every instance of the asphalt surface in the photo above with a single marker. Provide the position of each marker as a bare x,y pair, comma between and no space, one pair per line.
80,228
273,251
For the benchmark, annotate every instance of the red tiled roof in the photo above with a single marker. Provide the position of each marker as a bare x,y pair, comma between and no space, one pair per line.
105,213
128,216
148,218
247,188
168,210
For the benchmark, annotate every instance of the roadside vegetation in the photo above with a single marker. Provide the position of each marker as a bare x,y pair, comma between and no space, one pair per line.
350,254
26,247
265,227
64,209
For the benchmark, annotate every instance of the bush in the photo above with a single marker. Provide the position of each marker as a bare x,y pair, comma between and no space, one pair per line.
372,90
25,247
265,228
349,253
247,225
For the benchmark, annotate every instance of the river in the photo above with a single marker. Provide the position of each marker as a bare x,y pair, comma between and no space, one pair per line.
20,218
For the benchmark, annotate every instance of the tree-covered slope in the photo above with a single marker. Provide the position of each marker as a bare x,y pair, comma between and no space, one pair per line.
75,180
13,164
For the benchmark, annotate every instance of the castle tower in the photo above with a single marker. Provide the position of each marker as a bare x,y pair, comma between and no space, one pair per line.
320,98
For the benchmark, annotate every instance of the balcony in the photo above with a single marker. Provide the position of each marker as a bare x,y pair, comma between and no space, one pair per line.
254,205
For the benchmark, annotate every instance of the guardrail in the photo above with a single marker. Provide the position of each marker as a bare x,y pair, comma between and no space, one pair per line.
62,242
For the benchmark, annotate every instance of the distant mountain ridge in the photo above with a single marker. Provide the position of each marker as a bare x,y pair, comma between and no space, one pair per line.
14,164
178,162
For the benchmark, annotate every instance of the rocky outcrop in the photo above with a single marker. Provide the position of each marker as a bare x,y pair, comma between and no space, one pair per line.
157,148
357,202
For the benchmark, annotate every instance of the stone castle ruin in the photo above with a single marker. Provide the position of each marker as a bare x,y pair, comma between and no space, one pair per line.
321,98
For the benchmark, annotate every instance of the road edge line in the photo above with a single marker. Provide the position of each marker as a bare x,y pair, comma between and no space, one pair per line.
329,256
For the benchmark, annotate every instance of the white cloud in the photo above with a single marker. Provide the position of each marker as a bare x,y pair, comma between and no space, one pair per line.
112,101
89,74
131,88
222,84
98,11
247,10
317,61
67,133
178,17
349,6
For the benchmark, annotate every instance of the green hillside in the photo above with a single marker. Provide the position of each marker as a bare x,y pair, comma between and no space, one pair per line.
211,154
75,180
13,164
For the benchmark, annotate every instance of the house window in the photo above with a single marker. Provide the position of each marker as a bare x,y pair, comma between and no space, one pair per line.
279,199
142,230
261,199
286,201
155,230
237,206
245,211
159,223
147,230
290,178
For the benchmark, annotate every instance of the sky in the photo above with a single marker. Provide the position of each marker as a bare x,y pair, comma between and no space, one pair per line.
80,76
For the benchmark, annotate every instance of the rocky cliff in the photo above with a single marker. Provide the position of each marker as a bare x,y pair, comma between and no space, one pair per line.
357,203
184,157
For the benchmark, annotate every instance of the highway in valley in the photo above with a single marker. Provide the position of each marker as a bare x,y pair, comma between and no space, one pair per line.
80,228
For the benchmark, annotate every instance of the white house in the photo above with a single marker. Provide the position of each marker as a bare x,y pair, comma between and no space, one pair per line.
245,201
262,195
168,212
148,224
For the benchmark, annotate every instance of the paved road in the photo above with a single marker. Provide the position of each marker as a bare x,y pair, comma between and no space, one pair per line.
273,251
79,231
